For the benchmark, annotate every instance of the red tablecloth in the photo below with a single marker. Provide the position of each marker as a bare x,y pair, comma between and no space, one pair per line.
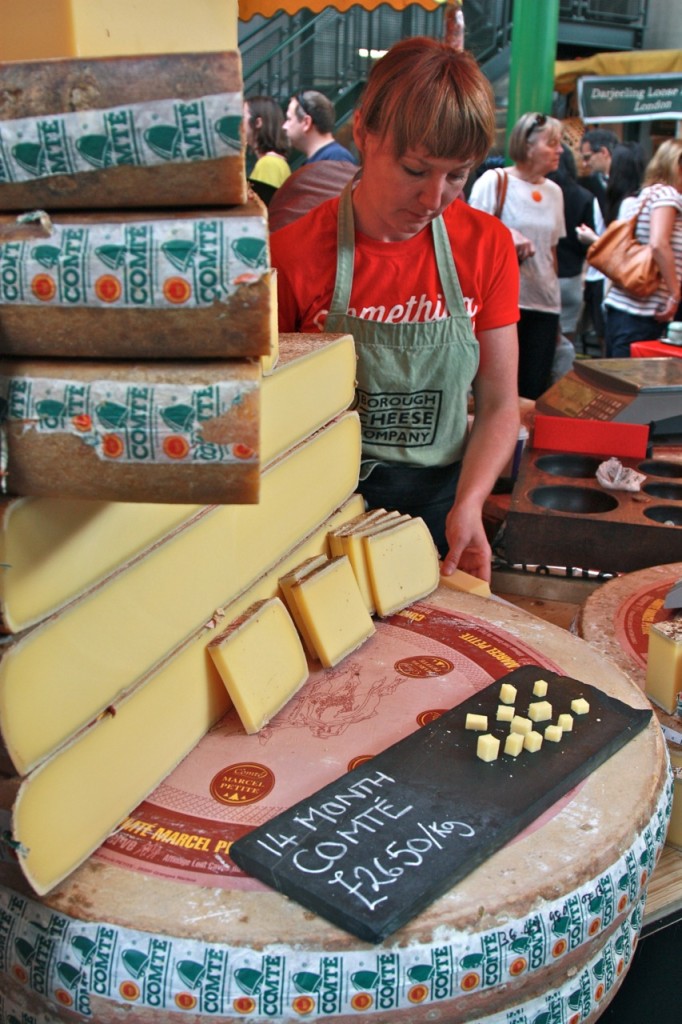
649,349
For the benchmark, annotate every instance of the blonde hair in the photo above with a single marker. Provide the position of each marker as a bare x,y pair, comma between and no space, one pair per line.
425,93
664,164
527,126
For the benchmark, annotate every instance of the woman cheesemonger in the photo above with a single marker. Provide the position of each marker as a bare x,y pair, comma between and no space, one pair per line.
264,132
629,318
428,288
533,210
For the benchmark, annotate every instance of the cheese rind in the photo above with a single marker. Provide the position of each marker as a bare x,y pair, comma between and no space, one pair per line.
402,564
663,680
334,612
159,602
261,661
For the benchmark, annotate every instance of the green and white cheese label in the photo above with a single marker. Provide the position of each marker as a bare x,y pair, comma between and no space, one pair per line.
138,135
133,422
145,264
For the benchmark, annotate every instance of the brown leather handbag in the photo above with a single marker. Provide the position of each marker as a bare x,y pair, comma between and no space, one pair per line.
628,263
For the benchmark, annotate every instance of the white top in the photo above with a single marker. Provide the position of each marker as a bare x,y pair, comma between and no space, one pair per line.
652,196
537,210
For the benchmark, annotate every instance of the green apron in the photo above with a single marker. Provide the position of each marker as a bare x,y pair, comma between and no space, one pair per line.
413,378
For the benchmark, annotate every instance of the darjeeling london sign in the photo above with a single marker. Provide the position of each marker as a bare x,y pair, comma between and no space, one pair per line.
630,97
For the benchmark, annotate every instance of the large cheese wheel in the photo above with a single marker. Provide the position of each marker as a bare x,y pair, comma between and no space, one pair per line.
160,925
615,620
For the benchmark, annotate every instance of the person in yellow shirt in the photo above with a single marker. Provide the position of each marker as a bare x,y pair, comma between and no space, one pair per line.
263,120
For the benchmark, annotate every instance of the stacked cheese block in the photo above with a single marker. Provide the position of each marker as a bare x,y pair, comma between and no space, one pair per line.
195,460
136,299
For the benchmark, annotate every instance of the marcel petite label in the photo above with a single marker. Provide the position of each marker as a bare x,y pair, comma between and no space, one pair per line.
131,422
157,264
137,135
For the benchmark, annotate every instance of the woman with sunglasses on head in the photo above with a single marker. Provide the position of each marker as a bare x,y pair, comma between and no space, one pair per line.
533,210
428,288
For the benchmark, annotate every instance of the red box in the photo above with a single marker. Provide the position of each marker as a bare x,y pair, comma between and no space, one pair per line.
594,437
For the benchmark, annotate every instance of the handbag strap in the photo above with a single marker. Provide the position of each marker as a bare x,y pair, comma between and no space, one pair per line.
502,182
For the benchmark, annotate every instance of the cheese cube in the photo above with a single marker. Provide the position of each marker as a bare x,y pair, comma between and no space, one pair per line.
580,706
505,713
521,724
507,693
333,610
664,664
565,722
487,747
513,744
540,688
553,733
540,711
261,661
478,722
532,741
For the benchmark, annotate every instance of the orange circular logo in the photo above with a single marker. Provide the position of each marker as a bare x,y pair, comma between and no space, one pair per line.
599,991
242,783
622,903
108,288
303,1004
112,446
43,287
185,1001
518,966
470,981
244,1004
82,422
175,447
424,717
423,666
129,990
417,994
361,1001
20,973
559,947
242,451
357,761
594,926
177,290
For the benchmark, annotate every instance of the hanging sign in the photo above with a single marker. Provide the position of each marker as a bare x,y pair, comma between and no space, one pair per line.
630,97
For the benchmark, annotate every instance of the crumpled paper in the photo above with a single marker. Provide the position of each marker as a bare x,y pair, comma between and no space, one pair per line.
614,476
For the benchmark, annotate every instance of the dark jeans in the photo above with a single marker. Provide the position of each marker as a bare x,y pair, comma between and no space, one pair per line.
538,336
427,491
623,328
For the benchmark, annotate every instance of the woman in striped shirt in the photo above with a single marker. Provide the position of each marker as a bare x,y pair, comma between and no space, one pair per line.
629,318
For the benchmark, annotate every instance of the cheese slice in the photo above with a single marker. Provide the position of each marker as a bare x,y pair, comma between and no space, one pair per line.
351,545
460,580
402,563
663,680
52,550
68,806
59,676
286,583
99,28
333,609
261,661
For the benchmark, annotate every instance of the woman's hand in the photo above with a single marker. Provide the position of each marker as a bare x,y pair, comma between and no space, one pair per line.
669,311
586,234
524,247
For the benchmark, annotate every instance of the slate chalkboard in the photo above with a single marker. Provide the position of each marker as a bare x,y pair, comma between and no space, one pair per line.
373,849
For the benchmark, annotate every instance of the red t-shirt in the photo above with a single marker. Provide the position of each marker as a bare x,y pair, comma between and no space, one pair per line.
395,282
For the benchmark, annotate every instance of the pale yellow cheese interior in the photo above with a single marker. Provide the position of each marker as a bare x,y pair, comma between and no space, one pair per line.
261,661
333,609
460,580
664,664
53,682
69,805
35,29
351,545
402,563
285,585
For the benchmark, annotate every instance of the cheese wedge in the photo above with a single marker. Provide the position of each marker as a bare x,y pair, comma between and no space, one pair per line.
351,543
663,680
98,28
285,585
152,729
460,580
59,676
261,661
402,563
335,615
52,550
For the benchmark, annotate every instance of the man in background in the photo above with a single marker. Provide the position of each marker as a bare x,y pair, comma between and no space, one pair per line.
596,147
308,126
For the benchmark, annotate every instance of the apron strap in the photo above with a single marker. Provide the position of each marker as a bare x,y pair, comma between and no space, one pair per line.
346,254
